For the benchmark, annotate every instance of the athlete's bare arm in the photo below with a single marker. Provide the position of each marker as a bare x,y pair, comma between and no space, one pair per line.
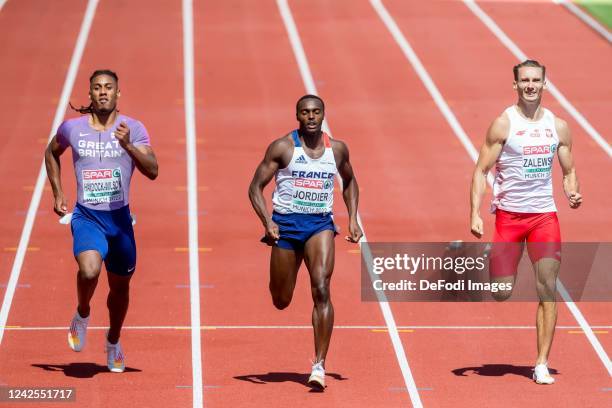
350,189
566,160
143,155
52,163
278,156
489,152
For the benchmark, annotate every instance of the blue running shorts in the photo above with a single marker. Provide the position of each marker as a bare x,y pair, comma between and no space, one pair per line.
295,229
108,232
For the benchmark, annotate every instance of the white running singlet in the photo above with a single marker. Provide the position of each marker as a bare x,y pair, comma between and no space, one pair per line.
306,185
523,179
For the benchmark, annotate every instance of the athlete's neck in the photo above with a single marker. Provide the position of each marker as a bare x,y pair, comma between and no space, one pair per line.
530,110
311,139
102,120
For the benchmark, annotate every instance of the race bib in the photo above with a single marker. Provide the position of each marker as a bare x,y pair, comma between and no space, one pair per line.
102,186
312,195
537,161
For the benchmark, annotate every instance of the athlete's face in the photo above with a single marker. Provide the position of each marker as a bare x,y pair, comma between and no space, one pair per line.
530,84
310,114
103,92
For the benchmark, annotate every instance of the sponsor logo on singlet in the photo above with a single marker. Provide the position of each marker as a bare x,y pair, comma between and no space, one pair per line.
301,160
102,186
537,161
312,191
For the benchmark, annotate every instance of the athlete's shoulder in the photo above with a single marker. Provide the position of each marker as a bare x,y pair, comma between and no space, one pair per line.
283,142
338,145
561,124
67,126
280,147
499,128
74,122
563,131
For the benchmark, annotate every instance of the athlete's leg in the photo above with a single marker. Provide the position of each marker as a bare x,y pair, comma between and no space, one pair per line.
506,251
546,271
284,266
90,265
319,254
120,265
544,250
117,302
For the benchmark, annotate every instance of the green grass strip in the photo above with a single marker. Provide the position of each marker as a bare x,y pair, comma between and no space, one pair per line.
600,9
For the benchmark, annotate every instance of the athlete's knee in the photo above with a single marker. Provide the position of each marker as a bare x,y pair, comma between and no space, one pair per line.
546,291
501,295
89,270
119,285
320,291
281,302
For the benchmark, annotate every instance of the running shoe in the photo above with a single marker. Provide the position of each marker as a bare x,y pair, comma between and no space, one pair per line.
77,334
317,376
541,374
114,357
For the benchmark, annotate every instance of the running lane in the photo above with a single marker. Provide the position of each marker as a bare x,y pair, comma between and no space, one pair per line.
126,44
247,86
420,152
579,60
32,87
478,92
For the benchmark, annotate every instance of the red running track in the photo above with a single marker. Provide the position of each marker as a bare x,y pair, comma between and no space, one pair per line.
402,149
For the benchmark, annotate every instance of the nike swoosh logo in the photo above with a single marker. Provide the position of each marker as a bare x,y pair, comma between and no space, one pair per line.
131,269
83,134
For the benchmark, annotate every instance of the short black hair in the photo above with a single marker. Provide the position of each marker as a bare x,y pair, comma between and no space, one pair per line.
528,63
309,96
108,72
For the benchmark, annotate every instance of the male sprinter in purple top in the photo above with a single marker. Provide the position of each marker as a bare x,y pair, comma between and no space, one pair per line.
106,146
305,163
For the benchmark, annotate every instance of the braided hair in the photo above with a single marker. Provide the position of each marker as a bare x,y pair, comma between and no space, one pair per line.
89,108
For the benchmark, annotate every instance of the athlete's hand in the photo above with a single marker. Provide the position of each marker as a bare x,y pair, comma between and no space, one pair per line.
575,199
477,226
355,232
272,233
122,134
60,206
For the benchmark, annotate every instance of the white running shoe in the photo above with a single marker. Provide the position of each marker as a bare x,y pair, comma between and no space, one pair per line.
541,374
77,334
115,359
317,376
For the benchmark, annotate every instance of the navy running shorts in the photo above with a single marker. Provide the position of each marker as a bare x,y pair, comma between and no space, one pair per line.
295,229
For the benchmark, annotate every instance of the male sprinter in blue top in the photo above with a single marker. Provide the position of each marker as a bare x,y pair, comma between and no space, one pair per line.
106,146
301,227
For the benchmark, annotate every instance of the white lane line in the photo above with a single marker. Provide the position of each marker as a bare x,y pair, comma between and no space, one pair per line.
42,173
192,202
298,327
431,87
554,91
586,18
433,90
584,325
309,85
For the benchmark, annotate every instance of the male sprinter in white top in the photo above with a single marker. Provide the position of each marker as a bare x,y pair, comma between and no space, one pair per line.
522,143
305,163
